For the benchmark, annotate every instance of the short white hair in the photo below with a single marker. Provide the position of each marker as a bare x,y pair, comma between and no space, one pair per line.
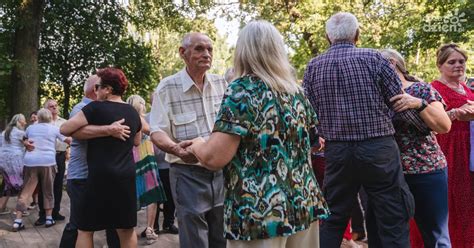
90,83
342,26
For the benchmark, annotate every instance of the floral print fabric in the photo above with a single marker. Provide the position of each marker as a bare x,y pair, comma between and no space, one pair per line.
420,152
271,189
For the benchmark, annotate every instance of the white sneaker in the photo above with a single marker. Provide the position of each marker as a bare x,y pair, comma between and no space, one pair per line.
151,236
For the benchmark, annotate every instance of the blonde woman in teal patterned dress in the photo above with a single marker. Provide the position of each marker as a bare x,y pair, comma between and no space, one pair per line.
262,138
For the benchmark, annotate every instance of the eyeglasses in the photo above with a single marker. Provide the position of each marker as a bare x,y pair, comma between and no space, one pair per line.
99,85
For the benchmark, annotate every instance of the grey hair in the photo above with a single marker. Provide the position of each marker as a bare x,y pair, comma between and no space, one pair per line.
342,26
186,41
13,123
395,56
44,116
90,83
45,105
260,50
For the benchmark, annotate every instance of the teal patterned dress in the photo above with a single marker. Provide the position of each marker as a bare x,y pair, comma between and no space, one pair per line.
271,189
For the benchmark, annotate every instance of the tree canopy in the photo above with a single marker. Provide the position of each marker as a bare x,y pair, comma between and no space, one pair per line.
142,37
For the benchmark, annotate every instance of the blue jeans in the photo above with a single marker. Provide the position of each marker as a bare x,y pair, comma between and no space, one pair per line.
430,191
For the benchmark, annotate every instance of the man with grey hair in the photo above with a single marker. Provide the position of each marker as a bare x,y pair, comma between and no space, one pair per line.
350,88
185,107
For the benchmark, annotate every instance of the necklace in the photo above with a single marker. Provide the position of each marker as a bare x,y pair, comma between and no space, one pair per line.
459,88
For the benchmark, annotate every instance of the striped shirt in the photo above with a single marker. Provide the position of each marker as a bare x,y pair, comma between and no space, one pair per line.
182,111
350,89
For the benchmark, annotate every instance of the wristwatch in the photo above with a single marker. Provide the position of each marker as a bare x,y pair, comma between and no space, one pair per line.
424,104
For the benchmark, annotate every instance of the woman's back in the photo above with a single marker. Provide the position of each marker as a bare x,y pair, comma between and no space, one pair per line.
43,136
108,154
16,142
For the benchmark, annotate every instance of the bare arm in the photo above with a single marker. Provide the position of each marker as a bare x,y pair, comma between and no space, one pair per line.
116,130
217,152
166,144
138,138
145,126
72,125
433,115
436,118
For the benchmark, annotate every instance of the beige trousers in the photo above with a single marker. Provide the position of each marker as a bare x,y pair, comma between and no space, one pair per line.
31,177
301,239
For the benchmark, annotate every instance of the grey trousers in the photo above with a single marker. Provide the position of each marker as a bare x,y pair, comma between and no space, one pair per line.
199,197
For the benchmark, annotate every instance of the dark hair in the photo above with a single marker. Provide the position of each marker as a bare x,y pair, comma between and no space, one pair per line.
115,78
34,113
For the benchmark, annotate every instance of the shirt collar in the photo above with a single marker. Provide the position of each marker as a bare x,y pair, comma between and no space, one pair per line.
86,100
188,82
341,44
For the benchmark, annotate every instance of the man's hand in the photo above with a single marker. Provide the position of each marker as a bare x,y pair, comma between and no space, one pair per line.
118,130
29,146
185,155
405,101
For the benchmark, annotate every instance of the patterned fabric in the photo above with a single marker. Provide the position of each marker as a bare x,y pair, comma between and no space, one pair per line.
456,146
350,89
182,111
420,152
149,187
271,189
11,163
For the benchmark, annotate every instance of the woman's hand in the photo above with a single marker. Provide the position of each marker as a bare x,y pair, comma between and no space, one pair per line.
465,112
405,101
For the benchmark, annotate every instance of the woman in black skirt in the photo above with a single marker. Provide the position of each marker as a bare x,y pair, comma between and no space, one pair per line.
111,180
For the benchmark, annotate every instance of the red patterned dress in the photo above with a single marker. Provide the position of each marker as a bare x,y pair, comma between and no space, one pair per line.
456,146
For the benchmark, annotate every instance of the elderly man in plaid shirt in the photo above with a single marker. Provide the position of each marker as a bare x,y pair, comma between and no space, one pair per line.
185,107
350,88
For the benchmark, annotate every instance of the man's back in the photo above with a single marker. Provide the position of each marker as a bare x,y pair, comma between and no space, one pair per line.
350,89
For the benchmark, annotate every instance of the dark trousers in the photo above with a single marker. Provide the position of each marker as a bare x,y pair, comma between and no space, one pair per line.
57,186
375,165
431,213
168,206
75,190
359,212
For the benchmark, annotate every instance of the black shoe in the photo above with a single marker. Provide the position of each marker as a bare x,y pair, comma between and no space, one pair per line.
50,223
40,221
143,234
170,229
58,217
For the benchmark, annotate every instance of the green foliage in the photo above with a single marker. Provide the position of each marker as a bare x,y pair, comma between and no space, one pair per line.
396,24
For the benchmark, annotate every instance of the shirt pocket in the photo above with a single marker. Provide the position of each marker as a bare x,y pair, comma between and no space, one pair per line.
185,126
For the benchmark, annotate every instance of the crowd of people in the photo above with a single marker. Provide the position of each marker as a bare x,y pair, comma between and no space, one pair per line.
237,159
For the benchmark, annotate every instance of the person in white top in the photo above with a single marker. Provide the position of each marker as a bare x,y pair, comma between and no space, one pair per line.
40,166
60,158
11,162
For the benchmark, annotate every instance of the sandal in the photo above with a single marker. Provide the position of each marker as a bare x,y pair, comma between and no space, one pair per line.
17,226
50,223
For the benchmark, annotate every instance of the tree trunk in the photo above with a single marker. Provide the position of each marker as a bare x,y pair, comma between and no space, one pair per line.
67,98
25,72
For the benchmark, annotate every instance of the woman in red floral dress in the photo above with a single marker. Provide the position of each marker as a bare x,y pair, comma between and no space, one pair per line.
456,144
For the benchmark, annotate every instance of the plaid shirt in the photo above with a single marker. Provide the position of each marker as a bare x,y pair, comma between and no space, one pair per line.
180,110
350,89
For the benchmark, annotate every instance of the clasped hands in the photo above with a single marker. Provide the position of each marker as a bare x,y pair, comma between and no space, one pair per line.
185,149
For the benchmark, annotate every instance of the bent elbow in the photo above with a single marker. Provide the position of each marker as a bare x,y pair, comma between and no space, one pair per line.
444,128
